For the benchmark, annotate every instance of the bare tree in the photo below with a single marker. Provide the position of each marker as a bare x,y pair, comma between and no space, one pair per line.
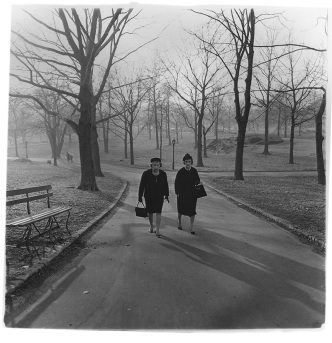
77,38
265,79
129,98
239,26
193,82
297,82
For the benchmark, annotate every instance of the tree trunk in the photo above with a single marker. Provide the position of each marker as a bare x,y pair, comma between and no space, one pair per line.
319,142
216,126
105,136
204,142
199,142
266,134
195,132
291,141
285,127
126,138
149,120
161,134
95,151
238,173
131,139
61,141
177,132
155,117
94,143
88,179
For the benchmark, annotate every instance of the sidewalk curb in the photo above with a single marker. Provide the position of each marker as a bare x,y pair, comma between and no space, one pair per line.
280,222
76,236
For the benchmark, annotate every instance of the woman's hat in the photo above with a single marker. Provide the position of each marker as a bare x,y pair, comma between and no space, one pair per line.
187,157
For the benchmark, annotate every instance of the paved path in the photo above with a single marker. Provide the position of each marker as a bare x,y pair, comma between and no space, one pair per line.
238,272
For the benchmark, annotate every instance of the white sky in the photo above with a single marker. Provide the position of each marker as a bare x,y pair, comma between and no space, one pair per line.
305,29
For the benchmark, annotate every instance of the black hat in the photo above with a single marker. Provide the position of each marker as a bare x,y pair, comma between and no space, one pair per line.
155,159
187,157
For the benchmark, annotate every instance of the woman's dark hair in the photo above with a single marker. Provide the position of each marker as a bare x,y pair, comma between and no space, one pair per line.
155,159
187,157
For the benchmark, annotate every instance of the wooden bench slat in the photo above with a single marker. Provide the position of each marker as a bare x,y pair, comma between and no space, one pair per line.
28,190
37,217
22,200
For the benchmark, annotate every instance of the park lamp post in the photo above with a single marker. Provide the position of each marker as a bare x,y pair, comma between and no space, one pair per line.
173,143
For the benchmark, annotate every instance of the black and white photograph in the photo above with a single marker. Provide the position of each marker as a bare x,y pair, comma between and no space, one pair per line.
165,167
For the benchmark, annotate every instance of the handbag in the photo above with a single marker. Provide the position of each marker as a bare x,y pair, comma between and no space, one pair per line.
199,191
141,211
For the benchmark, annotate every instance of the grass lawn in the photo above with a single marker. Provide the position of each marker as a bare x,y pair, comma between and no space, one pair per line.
64,180
144,150
299,200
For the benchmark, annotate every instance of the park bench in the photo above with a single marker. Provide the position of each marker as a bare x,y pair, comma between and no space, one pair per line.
29,221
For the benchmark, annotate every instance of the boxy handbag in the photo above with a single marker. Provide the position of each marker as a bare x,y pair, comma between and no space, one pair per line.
141,211
199,191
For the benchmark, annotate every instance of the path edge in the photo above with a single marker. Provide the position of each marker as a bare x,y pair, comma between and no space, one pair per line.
76,236
321,245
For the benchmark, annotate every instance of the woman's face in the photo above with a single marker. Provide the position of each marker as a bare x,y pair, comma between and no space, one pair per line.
187,163
155,166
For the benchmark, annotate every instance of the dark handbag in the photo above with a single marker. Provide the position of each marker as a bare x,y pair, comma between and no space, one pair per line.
199,191
141,211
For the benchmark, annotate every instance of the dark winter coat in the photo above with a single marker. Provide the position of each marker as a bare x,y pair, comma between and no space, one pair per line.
154,188
185,181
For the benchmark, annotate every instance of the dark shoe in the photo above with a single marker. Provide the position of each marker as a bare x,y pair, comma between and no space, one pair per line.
151,231
158,235
179,227
192,232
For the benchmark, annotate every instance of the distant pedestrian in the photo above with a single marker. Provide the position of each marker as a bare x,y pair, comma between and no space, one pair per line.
185,181
154,188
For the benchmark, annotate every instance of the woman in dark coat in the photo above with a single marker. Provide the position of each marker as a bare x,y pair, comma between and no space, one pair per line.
185,180
154,188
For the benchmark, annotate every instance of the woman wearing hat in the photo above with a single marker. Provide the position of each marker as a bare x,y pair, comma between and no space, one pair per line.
154,188
185,181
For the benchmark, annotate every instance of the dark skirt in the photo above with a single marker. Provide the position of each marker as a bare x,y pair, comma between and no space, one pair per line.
154,204
187,205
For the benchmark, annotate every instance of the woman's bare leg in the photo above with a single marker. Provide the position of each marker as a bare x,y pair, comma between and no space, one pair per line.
151,221
192,219
158,221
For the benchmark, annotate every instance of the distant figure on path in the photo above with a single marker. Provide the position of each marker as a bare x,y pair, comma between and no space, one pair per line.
185,181
69,157
154,188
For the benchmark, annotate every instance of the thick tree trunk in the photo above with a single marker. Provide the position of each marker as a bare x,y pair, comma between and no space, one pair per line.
88,179
285,128
95,144
95,152
291,141
319,142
